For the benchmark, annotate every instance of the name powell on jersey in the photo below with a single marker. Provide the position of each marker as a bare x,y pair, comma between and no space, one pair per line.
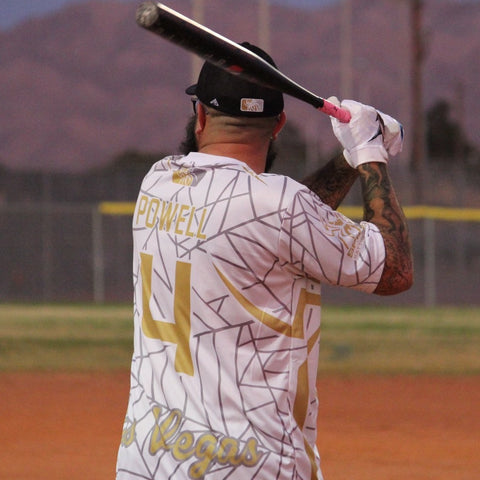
170,217
207,449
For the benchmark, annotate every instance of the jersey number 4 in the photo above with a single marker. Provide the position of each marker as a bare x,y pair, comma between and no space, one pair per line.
178,332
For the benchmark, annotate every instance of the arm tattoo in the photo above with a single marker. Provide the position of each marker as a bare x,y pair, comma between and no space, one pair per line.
332,182
381,207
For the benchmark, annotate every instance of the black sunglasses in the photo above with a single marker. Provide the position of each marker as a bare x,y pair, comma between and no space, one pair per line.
194,101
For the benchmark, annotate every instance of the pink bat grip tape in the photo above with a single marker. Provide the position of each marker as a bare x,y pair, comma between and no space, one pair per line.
341,114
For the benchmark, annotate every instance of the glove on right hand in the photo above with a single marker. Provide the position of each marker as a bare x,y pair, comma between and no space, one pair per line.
392,134
361,138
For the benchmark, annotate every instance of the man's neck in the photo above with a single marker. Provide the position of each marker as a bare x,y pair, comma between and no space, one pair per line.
248,154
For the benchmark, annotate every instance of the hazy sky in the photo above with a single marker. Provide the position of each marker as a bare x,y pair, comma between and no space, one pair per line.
14,11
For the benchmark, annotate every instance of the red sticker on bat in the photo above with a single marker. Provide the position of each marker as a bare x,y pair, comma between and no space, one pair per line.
235,69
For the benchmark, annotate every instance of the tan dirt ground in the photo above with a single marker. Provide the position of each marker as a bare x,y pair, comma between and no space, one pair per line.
61,426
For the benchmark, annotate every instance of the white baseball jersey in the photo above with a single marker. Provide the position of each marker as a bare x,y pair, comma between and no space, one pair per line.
227,270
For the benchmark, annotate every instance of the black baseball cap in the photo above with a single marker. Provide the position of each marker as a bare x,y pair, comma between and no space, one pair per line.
230,94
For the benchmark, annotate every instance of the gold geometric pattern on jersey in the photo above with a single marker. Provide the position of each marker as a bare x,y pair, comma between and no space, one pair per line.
227,301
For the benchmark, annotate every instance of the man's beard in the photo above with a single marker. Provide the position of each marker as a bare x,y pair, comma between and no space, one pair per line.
189,144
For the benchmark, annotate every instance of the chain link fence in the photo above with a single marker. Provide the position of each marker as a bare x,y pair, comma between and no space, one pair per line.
83,252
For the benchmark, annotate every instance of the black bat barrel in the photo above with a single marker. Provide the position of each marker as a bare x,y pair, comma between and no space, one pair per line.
218,50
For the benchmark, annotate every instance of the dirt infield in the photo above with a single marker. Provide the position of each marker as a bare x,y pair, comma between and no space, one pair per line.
67,426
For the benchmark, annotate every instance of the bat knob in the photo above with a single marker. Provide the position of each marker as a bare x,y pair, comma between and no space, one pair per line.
147,14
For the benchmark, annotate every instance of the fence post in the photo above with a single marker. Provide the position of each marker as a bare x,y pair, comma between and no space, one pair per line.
430,265
98,259
47,251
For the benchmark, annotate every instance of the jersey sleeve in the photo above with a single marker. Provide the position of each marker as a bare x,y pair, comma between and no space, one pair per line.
321,243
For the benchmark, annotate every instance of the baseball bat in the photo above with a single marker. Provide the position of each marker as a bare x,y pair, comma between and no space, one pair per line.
226,54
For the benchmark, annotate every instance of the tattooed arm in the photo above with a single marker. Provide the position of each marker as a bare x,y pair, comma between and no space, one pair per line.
381,207
368,141
333,181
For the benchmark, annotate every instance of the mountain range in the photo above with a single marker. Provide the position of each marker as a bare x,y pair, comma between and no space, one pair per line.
85,83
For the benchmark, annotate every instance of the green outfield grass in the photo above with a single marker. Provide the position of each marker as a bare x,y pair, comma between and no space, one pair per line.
65,337
354,340
401,340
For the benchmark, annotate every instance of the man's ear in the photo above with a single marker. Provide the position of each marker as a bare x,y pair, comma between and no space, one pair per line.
201,118
282,120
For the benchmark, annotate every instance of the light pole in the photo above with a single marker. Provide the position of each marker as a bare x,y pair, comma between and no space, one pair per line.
264,25
198,14
413,104
346,53
418,116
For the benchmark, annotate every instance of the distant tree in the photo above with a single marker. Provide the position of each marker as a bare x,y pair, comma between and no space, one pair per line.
292,152
3,182
121,178
446,141
134,160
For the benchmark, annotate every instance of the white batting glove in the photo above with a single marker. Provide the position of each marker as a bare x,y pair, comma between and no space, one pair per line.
392,134
369,136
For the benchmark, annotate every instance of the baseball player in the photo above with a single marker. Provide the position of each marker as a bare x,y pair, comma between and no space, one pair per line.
228,264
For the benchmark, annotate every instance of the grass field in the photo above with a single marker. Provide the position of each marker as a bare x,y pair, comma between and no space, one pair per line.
354,340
